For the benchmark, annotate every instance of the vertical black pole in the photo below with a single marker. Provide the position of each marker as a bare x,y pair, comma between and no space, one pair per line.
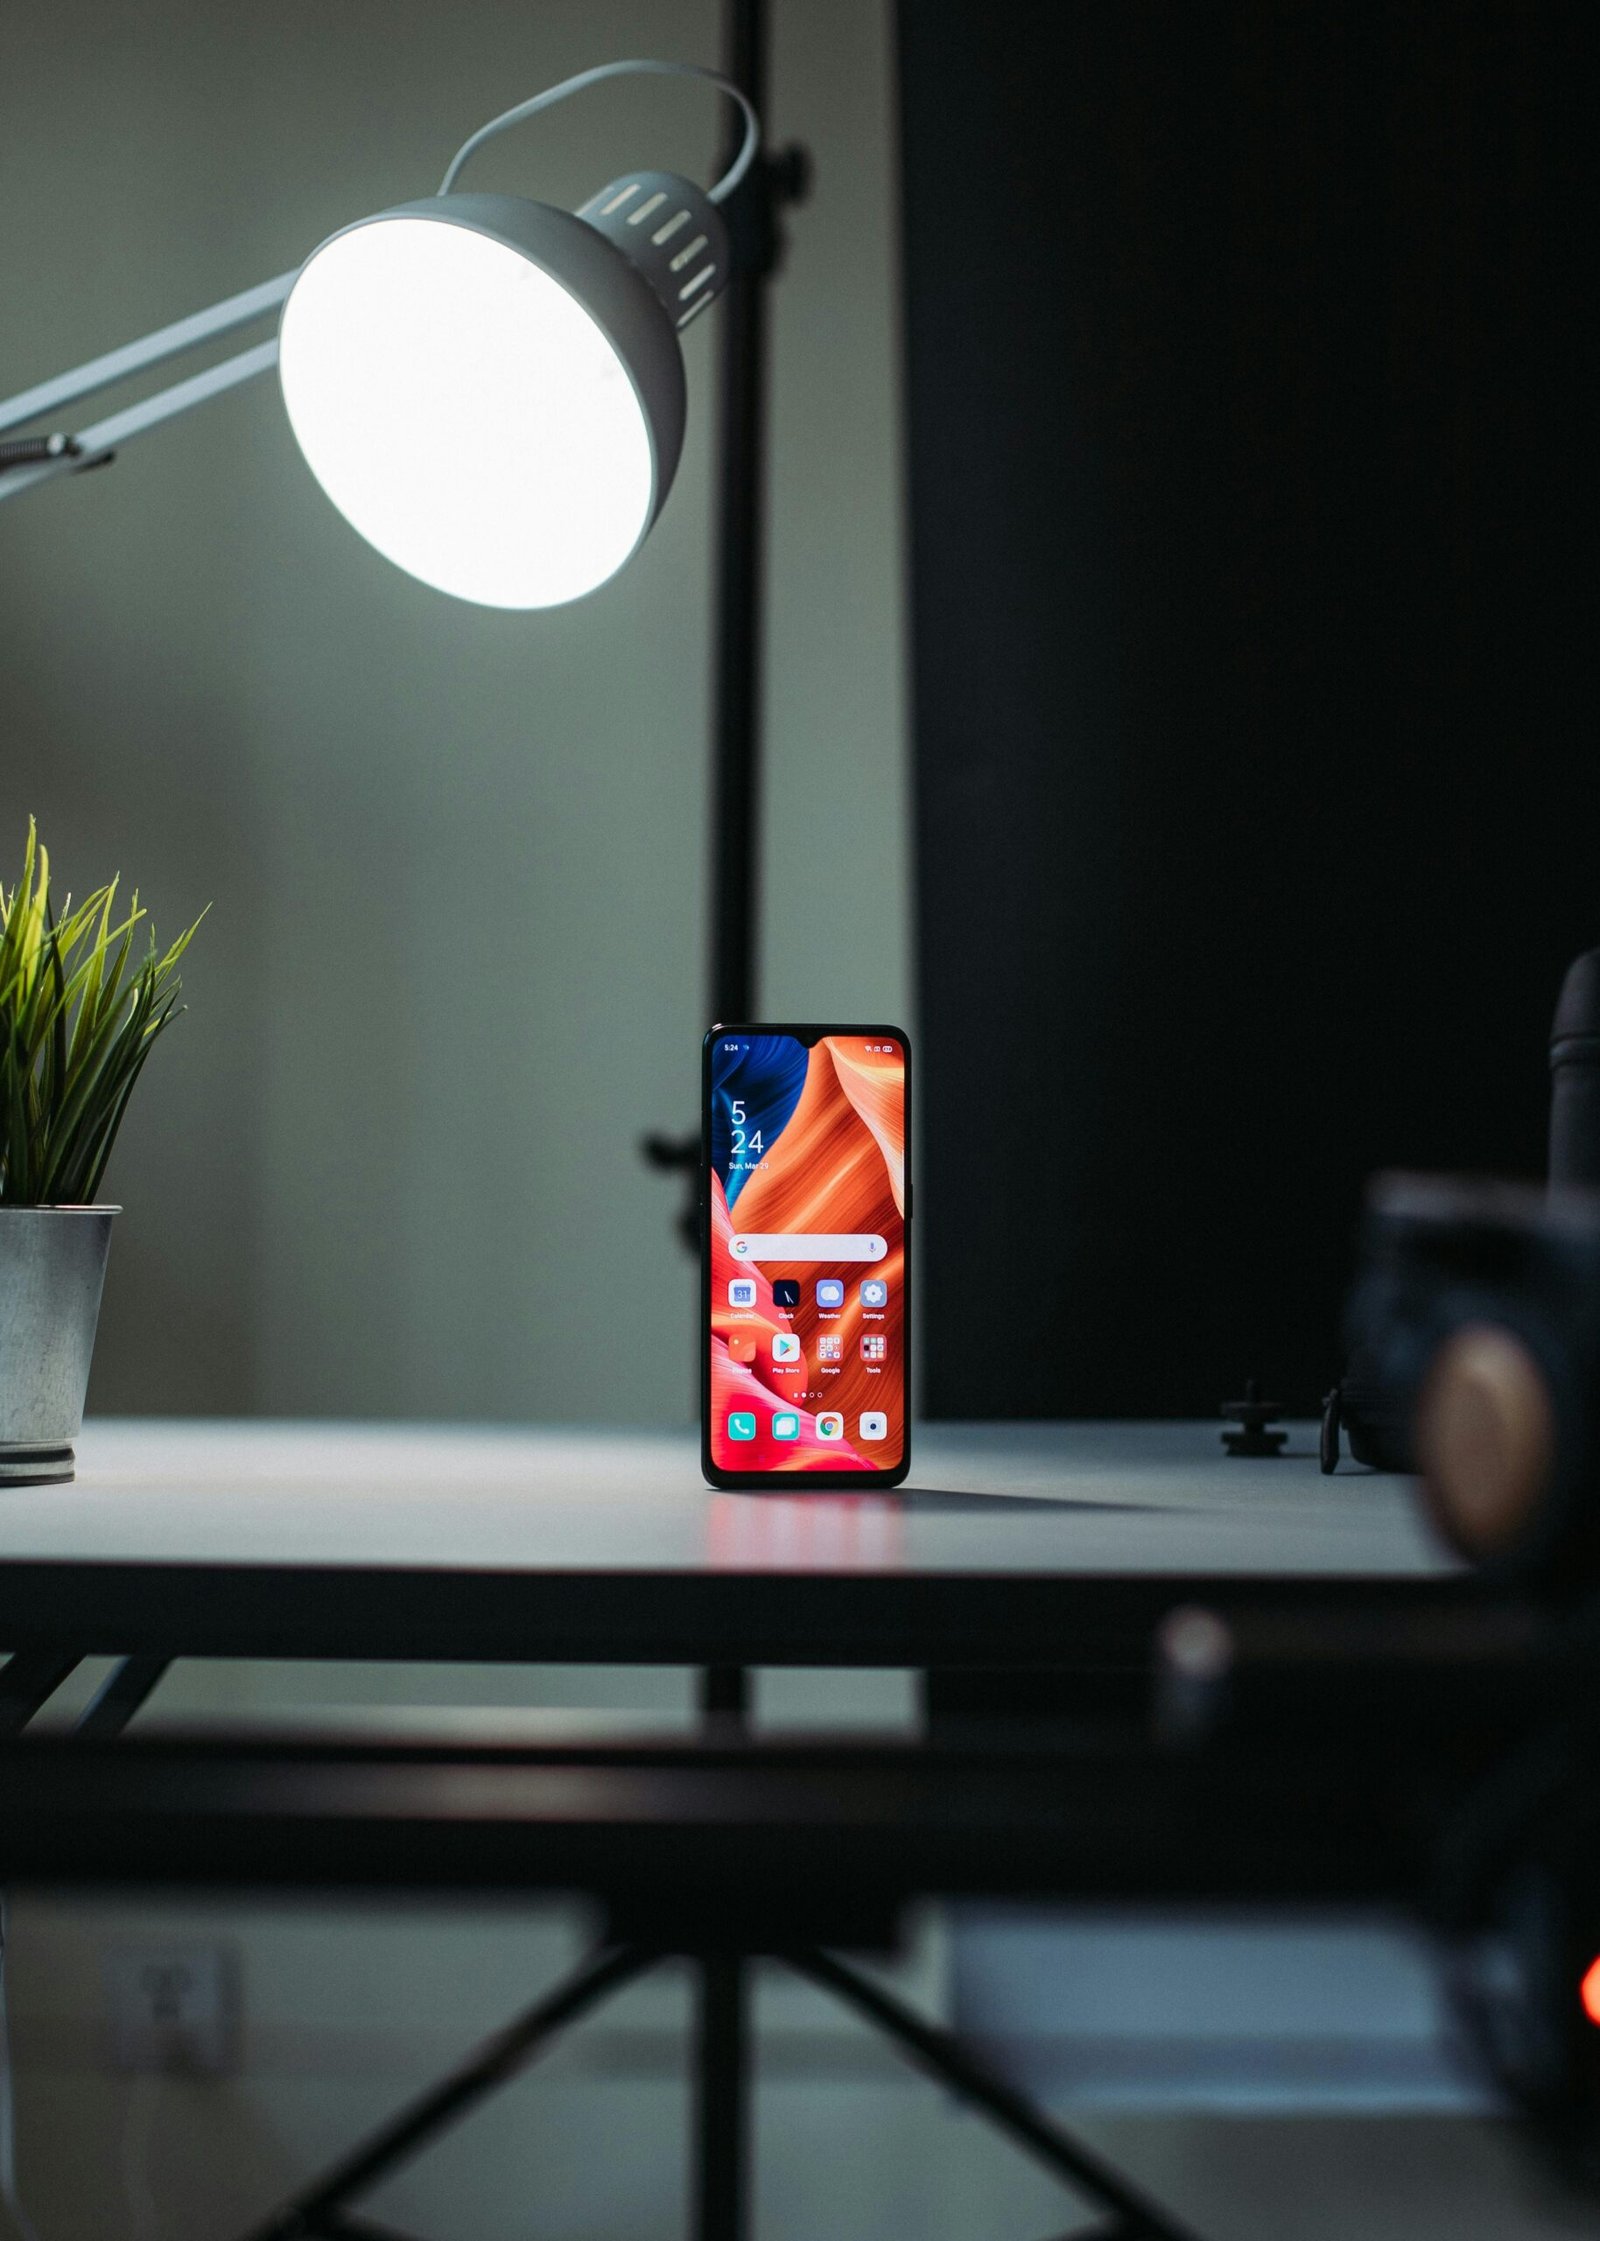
740,524
722,2102
751,215
723,1979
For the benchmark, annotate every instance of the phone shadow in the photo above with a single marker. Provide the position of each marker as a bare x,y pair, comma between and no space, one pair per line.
937,1499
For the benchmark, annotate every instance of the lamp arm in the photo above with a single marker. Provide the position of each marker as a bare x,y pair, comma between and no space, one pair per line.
585,78
135,357
96,446
91,447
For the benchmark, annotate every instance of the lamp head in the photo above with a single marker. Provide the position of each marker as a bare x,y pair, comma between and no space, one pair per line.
491,390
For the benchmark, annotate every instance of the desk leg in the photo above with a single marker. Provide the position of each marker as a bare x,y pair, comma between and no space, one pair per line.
28,1681
131,1684
722,2092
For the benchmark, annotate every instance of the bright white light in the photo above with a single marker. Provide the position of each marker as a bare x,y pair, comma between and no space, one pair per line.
465,413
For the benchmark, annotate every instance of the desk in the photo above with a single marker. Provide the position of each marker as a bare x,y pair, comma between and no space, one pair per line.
1017,1545
1050,1549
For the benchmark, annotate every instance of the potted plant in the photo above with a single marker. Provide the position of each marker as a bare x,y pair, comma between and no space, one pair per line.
80,1010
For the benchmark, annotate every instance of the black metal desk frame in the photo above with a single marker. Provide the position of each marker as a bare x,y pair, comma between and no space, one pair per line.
325,2207
1048,1803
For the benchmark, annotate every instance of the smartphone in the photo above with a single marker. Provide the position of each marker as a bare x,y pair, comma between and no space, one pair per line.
806,1300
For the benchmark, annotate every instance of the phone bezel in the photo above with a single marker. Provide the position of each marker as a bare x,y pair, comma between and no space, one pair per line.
796,1482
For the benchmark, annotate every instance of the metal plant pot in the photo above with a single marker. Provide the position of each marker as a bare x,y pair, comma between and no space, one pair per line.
52,1268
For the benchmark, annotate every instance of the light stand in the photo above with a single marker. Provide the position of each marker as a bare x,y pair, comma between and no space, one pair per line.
753,214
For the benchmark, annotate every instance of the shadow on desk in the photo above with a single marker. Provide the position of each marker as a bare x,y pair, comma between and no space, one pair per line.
934,1500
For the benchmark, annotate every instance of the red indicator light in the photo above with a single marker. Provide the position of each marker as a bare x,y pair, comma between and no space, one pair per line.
1589,1991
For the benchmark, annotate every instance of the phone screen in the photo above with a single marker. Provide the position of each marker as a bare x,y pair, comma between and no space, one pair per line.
806,1267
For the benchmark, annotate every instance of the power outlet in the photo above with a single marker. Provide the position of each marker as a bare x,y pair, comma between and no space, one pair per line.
172,2007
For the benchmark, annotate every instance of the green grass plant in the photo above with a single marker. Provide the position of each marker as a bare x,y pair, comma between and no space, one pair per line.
81,1007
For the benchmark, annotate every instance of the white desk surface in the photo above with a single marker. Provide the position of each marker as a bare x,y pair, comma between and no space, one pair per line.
1007,1498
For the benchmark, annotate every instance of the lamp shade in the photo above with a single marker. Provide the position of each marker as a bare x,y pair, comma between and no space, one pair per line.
489,391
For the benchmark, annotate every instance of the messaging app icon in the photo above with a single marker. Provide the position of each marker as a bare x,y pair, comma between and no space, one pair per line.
785,1425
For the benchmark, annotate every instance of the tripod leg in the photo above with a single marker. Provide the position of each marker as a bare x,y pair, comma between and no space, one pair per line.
943,2056
315,2209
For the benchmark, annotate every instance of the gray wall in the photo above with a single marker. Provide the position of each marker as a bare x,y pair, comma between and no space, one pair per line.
387,1164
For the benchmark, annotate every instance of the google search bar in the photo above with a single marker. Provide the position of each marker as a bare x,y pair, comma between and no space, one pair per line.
810,1245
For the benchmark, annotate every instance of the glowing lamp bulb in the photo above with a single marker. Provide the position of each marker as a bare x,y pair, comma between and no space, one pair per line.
1589,1991
488,392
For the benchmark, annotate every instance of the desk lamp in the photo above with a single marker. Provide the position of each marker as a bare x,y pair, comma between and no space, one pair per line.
491,391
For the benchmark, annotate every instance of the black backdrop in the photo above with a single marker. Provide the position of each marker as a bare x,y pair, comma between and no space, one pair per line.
1250,368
